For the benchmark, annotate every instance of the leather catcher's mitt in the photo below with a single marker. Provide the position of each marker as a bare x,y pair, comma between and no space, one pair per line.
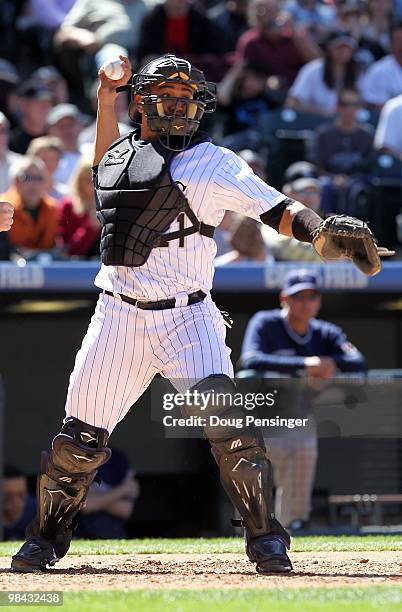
340,236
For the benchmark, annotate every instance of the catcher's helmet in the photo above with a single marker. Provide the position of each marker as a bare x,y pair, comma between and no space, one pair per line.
174,129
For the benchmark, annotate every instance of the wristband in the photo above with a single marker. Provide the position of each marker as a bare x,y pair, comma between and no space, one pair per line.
305,224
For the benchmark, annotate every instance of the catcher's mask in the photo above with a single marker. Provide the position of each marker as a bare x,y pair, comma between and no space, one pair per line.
174,119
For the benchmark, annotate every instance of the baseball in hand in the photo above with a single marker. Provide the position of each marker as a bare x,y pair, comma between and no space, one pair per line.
113,69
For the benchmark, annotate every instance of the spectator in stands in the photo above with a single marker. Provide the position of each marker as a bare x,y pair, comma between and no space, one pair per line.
383,79
50,77
92,32
343,151
35,216
36,26
378,26
79,229
245,241
352,18
388,136
300,169
179,27
50,14
344,146
34,104
291,341
313,15
283,248
19,507
274,43
110,504
49,149
7,158
244,96
95,29
316,87
231,17
65,122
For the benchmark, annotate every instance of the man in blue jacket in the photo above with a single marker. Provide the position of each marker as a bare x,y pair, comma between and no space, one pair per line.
290,341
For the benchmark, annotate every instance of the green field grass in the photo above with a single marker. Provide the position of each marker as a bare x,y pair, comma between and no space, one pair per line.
220,545
386,599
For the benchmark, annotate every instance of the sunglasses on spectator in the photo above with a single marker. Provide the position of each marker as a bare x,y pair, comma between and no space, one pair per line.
31,178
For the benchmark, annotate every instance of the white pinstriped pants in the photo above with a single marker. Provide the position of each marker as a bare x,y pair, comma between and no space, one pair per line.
125,347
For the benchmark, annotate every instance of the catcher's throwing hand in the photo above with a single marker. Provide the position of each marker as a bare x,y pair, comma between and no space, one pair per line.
340,237
6,216
107,87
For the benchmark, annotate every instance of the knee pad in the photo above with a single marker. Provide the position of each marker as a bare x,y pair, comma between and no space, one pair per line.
218,390
65,477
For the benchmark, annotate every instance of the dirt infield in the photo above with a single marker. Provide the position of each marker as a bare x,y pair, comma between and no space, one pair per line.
197,571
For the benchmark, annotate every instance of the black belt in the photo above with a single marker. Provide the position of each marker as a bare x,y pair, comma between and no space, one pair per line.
193,298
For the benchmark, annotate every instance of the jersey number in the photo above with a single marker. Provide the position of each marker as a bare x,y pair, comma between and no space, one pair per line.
180,219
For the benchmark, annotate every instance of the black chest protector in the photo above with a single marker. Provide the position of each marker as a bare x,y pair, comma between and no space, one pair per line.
137,200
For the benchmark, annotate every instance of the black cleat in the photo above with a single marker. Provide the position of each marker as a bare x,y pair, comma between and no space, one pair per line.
269,553
35,555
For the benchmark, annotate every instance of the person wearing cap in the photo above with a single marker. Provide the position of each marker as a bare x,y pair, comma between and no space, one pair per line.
283,248
34,104
383,80
316,87
65,122
300,169
51,78
274,43
246,100
291,341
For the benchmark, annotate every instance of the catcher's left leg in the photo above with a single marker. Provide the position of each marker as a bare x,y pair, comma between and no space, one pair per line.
245,470
246,475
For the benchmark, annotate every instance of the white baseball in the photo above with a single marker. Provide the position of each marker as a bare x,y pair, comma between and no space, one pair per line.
113,69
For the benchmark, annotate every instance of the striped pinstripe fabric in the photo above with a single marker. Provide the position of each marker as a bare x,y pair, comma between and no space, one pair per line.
124,346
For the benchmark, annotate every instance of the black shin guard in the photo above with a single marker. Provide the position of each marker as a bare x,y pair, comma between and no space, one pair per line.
246,472
66,475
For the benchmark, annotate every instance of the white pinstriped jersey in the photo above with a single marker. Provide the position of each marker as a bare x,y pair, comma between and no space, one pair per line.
215,180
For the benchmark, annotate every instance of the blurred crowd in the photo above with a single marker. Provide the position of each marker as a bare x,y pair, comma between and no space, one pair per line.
309,94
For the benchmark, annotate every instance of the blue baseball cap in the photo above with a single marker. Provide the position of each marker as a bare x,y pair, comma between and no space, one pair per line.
300,280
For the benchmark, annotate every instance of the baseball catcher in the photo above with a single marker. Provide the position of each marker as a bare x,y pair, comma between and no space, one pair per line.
161,191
